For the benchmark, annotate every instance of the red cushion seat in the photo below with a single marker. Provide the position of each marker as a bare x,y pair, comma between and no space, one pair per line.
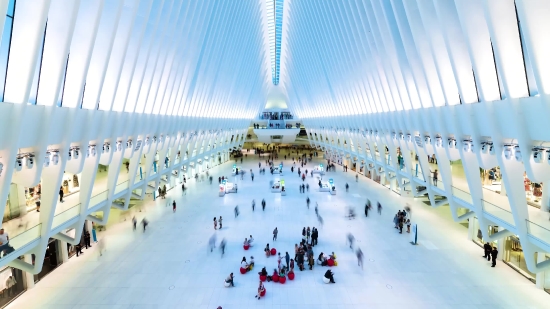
246,247
275,278
273,251
291,276
263,278
282,280
243,270
263,292
330,262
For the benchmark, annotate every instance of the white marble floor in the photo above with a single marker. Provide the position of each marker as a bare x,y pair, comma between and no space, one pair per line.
169,266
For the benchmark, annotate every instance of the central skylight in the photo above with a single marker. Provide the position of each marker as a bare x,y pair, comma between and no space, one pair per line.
275,27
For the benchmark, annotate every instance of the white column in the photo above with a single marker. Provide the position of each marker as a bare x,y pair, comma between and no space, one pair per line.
63,251
545,202
29,277
541,275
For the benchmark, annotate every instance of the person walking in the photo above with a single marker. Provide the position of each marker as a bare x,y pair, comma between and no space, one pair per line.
494,254
356,178
222,246
287,259
220,221
236,211
263,204
134,222
182,189
359,254
316,209
275,232
307,202
351,239
379,208
253,204
307,187
102,245
144,222
174,206
215,224
347,187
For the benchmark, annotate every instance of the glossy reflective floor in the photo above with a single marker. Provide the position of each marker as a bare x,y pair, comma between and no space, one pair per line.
170,266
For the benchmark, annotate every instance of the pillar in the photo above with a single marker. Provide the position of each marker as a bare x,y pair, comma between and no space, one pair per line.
541,276
545,202
63,252
28,277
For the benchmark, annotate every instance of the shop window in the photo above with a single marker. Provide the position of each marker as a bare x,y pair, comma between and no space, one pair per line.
11,285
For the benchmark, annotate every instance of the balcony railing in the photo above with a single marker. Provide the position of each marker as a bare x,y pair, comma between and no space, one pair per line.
499,212
66,215
20,240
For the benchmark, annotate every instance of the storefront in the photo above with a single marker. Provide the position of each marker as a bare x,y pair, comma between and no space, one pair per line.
70,183
533,191
11,285
514,257
52,259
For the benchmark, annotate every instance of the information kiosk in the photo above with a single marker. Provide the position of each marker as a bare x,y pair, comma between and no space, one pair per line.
283,191
276,186
319,170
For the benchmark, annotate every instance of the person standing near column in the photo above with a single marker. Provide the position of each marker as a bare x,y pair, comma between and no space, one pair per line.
494,254
220,221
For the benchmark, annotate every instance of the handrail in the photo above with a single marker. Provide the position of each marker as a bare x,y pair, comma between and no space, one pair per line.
98,198
498,212
463,195
24,238
66,215
121,186
538,231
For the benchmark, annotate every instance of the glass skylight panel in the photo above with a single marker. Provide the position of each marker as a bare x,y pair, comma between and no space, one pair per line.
275,27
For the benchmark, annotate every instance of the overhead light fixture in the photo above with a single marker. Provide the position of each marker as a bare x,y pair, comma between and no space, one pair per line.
118,146
55,157
29,161
452,143
76,153
18,164
439,141
537,155
508,152
92,150
47,159
129,144
517,153
106,148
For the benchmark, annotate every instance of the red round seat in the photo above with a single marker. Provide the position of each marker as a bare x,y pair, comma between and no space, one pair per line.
330,262
275,278
263,278
291,276
273,251
282,280
243,270
263,292
246,247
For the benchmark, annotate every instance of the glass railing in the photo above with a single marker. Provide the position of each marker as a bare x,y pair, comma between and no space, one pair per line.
437,183
98,198
417,174
463,195
65,216
20,240
537,231
499,212
121,186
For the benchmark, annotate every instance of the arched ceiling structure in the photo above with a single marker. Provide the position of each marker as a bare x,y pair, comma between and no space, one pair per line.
374,56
